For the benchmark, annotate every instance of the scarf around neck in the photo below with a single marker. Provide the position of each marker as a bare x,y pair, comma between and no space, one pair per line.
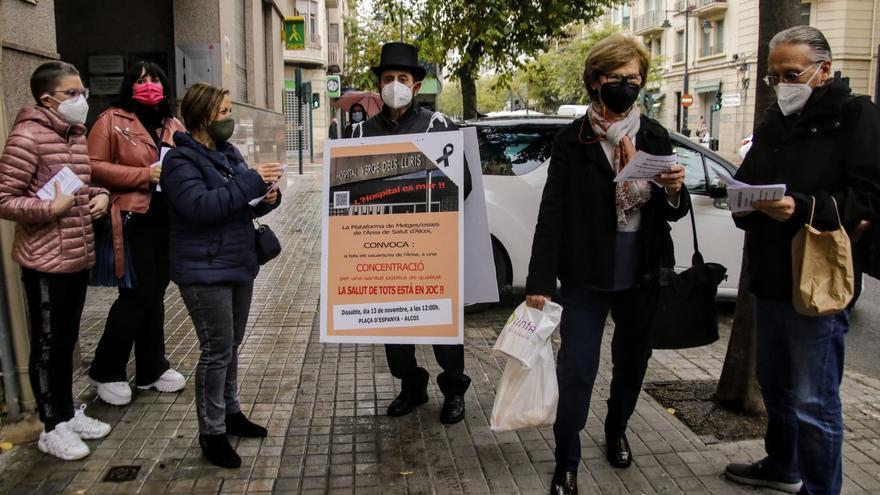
629,196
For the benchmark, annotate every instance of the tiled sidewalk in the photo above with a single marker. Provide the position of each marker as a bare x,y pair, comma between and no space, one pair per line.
324,406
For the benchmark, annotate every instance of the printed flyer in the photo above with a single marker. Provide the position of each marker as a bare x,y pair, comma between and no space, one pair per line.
391,264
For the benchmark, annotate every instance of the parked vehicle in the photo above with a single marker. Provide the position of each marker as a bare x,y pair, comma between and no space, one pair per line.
572,110
515,154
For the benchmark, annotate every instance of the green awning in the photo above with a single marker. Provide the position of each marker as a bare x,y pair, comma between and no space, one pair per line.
430,86
711,86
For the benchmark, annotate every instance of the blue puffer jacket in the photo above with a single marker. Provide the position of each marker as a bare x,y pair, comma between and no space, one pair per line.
212,231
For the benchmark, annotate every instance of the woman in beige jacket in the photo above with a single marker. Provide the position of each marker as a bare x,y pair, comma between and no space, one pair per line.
53,244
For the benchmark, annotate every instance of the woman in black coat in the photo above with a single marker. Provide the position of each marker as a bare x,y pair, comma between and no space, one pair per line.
209,188
597,237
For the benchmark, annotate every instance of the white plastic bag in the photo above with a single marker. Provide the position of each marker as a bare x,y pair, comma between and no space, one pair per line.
526,397
528,392
526,331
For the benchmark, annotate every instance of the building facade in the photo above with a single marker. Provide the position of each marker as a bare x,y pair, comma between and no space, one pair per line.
718,40
307,107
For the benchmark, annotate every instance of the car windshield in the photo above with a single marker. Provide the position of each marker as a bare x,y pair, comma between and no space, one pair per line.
515,150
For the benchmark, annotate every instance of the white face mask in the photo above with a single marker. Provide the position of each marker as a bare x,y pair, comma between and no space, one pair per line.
397,95
74,110
792,97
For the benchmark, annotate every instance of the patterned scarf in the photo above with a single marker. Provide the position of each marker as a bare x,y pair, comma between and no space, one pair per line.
629,195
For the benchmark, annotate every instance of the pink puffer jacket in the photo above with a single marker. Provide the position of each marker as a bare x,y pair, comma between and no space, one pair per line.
39,146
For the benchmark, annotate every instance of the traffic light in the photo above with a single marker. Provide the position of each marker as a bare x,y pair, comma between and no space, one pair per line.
717,105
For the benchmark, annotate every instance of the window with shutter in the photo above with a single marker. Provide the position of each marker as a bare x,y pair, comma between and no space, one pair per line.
240,51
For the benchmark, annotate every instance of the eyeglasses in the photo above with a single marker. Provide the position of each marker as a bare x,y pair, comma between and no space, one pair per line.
790,77
73,93
617,79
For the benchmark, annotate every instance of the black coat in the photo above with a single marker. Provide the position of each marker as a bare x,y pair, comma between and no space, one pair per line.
577,224
415,121
831,149
212,236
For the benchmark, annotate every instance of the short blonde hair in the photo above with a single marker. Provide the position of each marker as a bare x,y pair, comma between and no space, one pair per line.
199,105
611,53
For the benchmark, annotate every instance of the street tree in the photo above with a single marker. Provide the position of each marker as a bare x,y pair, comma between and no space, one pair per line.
492,98
555,77
465,36
365,33
738,387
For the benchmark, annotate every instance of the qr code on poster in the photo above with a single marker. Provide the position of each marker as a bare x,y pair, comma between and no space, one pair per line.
340,199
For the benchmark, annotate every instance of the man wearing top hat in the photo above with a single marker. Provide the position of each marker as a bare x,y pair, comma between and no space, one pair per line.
400,78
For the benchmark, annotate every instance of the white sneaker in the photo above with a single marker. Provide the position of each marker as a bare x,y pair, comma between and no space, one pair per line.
116,393
170,381
87,428
63,443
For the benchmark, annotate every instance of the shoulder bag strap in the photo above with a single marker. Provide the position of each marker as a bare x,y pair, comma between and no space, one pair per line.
698,256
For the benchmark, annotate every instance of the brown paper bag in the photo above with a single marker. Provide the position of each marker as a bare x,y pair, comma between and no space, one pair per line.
822,269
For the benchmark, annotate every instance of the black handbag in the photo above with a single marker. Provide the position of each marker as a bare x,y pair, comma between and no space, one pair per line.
267,243
677,310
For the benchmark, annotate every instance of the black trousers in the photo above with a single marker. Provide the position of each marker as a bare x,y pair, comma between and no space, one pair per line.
137,317
403,364
55,304
583,323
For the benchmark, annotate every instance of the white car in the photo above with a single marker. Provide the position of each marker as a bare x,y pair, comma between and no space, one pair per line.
515,155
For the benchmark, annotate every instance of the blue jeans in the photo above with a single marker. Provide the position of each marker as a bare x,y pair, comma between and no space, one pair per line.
800,366
583,323
219,313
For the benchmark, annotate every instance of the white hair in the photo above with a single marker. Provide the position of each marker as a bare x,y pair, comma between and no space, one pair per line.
805,35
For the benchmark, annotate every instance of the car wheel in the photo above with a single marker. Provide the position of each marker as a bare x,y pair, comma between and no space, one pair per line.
501,277
502,274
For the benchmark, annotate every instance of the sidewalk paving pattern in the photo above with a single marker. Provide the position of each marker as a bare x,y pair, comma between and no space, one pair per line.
324,406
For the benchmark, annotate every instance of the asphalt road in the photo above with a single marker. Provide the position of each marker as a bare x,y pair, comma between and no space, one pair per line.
863,340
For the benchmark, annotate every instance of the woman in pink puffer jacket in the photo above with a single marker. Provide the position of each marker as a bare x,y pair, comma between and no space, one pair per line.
54,245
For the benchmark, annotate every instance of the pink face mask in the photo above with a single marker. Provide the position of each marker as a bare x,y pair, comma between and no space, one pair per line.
148,93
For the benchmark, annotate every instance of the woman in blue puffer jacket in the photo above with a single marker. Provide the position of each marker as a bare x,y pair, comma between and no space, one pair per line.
212,252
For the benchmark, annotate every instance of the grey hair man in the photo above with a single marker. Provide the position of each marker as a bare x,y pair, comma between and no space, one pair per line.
821,142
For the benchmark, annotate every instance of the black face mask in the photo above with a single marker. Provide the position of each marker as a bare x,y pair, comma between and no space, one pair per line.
619,97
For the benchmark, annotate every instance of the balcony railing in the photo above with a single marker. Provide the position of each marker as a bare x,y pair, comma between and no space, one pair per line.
333,57
649,21
708,51
709,7
313,41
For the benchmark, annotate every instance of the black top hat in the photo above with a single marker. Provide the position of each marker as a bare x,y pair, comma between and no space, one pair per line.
400,56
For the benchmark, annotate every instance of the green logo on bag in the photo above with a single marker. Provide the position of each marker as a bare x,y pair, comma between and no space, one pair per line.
511,319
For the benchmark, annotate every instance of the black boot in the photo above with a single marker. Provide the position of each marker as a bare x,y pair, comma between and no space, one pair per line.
413,393
618,451
218,451
406,401
453,409
564,482
238,424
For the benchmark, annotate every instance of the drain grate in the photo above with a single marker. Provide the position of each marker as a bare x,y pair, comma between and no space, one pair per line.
121,474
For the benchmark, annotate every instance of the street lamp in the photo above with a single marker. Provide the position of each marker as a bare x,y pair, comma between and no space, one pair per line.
380,19
707,27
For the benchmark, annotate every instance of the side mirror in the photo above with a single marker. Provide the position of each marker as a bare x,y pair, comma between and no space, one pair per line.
717,191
